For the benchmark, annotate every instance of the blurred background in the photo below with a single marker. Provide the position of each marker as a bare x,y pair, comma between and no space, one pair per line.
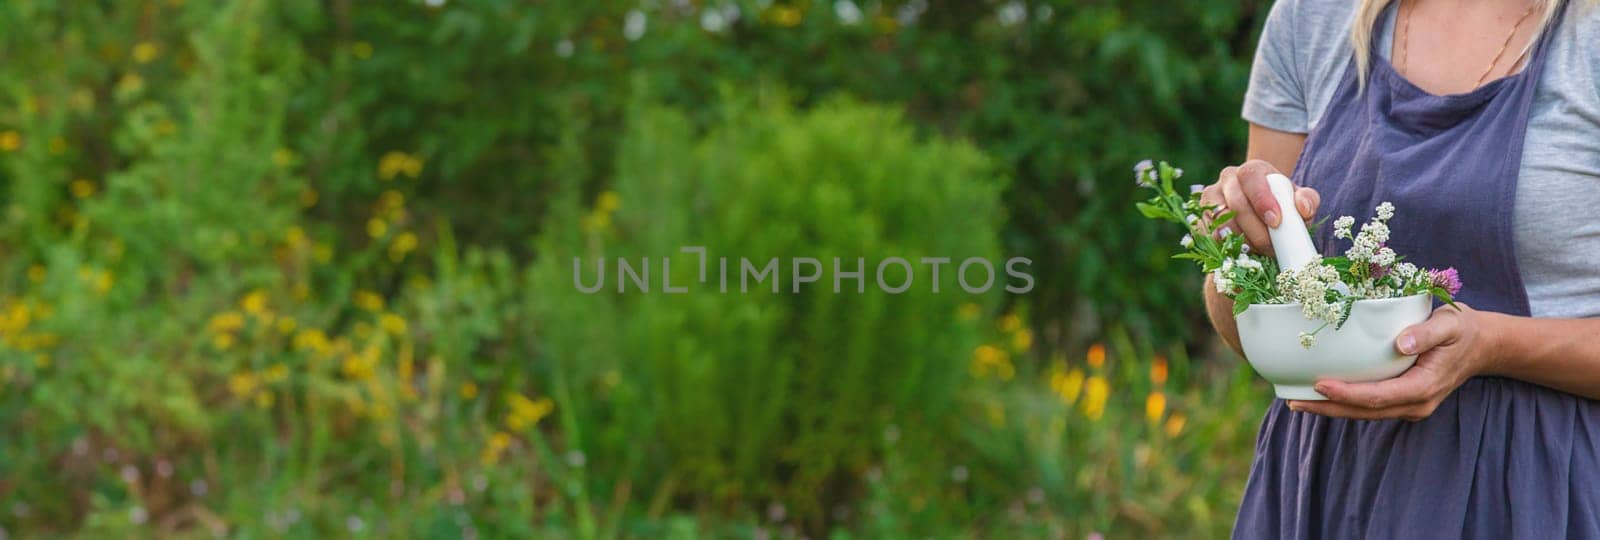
303,268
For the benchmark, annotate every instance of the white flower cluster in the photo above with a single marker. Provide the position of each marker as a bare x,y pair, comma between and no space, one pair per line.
1369,243
1310,287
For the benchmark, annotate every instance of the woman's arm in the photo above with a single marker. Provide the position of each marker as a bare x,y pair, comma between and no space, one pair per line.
1455,344
1563,354
1241,188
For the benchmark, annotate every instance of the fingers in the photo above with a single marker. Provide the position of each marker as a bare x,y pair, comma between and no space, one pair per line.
1307,200
1212,194
1416,385
1245,219
1441,328
1253,181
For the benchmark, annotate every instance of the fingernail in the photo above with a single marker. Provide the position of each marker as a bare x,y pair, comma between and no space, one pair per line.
1408,344
1321,389
1294,406
1271,218
1303,205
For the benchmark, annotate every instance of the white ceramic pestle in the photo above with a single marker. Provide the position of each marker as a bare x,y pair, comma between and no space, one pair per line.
1290,239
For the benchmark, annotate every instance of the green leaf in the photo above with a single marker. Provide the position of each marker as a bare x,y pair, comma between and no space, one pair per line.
1154,212
1222,219
1344,315
1443,296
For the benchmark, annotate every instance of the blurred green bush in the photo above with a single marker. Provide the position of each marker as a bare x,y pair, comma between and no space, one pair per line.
727,398
301,267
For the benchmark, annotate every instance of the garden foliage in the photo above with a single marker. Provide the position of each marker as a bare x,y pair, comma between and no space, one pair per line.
304,267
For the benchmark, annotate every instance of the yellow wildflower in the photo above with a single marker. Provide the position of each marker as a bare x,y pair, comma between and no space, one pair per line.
10,140
594,221
1158,370
783,15
243,384
1010,323
254,303
369,301
608,202
497,445
376,228
81,188
98,280
968,312
395,163
58,145
393,324
403,244
312,339
145,51
16,318
1097,355
223,342
36,273
988,359
360,366
264,399
130,83
286,325
391,200
468,390
308,197
1095,392
1022,340
41,360
277,373
526,412
362,50
300,291
227,321
283,158
294,237
82,100
1175,424
1067,385
1155,405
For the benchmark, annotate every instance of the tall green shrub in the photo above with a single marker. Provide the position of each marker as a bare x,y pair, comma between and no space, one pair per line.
738,397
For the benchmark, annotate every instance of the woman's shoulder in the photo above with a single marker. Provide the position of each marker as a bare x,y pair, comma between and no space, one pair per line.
1324,23
1303,53
1573,70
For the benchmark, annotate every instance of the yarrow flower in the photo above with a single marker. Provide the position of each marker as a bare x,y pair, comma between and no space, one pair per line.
1341,226
1385,211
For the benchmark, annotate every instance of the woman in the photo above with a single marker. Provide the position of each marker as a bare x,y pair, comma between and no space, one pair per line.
1480,121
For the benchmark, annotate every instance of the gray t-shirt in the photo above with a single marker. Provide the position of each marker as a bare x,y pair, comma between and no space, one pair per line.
1305,51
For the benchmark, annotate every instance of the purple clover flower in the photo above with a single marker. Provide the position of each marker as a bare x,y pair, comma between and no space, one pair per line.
1449,279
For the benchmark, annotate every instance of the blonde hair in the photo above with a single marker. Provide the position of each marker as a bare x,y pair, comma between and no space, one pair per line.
1367,17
